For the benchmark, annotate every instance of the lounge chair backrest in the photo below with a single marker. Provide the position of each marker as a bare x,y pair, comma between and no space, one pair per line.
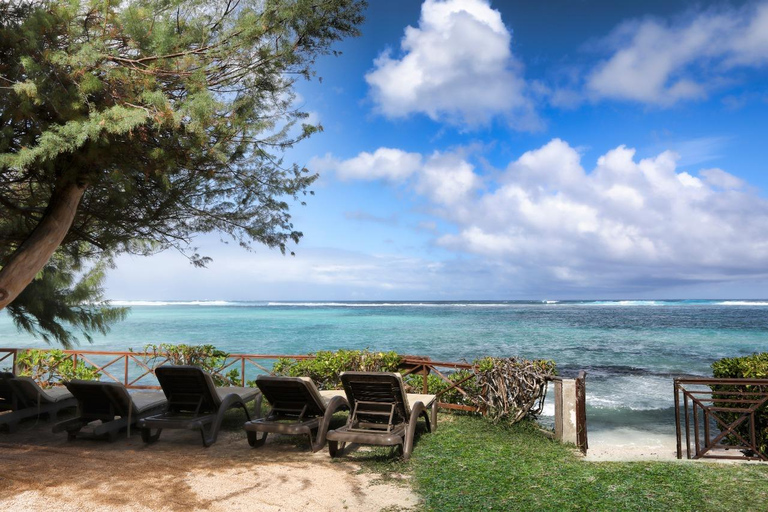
28,391
101,398
188,389
374,388
6,392
292,396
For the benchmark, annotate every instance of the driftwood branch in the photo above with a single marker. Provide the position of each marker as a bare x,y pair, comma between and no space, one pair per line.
513,388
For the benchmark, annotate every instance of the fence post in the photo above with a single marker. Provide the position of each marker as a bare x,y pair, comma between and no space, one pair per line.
570,420
424,379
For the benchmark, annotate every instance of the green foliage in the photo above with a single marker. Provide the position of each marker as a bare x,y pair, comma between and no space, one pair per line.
545,366
754,366
61,297
470,464
172,115
326,366
49,367
207,357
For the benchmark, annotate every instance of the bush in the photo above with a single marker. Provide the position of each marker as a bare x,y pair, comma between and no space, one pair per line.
49,367
326,366
207,357
754,366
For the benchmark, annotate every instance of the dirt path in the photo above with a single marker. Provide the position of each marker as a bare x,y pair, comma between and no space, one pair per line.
41,471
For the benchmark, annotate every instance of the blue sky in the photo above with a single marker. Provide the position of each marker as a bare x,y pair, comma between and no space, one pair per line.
519,150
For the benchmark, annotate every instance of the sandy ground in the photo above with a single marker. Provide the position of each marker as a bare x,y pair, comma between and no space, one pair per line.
627,444
43,471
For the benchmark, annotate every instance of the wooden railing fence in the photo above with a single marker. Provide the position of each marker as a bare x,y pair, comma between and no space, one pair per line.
718,417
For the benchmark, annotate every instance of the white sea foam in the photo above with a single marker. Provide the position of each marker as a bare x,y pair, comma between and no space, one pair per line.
633,392
742,303
626,303
172,303
386,304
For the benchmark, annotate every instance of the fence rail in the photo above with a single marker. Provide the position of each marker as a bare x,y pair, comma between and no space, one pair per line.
135,370
718,417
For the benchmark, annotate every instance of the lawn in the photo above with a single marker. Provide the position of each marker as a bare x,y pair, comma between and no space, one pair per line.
472,464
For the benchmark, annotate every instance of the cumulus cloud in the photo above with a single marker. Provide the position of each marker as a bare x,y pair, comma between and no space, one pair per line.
446,178
457,66
385,163
661,63
626,220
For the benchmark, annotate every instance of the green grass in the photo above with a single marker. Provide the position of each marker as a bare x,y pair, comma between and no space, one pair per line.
472,464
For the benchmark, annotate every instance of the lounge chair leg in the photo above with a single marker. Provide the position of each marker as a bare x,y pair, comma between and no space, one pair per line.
333,448
209,439
253,438
148,437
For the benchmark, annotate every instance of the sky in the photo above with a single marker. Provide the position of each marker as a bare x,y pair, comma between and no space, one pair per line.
489,150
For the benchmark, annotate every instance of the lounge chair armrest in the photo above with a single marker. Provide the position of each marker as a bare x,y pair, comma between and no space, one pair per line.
336,404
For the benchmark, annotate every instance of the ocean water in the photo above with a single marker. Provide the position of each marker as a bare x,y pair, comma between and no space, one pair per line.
631,350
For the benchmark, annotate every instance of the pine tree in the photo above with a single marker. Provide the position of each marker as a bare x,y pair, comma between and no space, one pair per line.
129,127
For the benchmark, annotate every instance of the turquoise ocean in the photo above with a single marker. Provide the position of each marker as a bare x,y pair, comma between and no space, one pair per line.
631,350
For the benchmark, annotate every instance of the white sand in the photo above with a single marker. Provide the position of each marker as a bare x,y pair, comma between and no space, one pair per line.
42,471
626,444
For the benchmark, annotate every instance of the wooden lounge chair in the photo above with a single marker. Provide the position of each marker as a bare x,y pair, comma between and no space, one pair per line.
8,401
32,401
298,408
110,404
195,403
381,412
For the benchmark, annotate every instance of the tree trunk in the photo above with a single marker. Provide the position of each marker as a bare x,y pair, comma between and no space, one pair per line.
34,253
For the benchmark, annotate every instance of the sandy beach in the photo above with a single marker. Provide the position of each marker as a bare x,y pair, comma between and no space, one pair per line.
628,444
43,471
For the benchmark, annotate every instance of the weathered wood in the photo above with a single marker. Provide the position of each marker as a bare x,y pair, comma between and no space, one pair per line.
32,255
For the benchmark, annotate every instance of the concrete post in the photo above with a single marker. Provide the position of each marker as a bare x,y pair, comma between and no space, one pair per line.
565,411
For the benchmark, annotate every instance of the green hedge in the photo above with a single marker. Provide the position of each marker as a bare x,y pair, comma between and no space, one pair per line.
754,366
326,366
207,357
49,367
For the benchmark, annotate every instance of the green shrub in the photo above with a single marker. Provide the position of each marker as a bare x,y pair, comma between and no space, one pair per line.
326,366
754,366
207,357
49,367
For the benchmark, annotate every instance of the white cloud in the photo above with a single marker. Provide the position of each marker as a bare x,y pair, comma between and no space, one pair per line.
720,178
384,163
457,66
447,179
624,221
661,63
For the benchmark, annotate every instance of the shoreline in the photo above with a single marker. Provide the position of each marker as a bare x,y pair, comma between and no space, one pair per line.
629,444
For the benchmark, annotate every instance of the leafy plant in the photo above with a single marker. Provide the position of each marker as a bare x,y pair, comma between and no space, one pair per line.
207,357
326,366
49,367
754,366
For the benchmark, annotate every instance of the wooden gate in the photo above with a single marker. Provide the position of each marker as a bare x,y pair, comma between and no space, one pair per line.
581,412
719,417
